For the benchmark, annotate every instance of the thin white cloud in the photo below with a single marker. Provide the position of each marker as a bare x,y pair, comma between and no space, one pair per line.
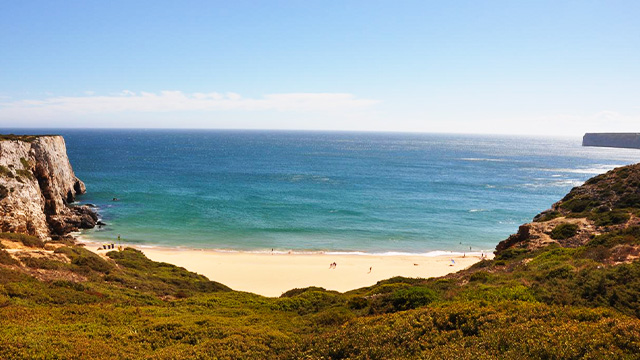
177,101
573,124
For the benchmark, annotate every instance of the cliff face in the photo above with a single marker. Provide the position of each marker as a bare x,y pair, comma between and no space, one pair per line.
619,140
37,187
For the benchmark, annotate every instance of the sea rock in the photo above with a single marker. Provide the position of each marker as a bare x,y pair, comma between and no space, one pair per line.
39,187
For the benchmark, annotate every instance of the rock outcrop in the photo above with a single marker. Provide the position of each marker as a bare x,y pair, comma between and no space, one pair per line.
38,187
606,204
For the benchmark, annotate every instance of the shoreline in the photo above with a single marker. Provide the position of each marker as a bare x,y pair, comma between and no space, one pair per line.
271,274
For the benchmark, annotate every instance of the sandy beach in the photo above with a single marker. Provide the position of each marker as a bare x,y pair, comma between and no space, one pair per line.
272,274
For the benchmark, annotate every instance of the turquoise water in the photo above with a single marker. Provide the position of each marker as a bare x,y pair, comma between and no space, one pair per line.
320,191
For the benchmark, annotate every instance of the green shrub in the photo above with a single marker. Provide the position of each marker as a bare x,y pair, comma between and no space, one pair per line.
412,298
25,138
387,288
333,317
25,163
7,259
513,253
595,179
357,303
43,263
25,173
26,240
137,271
630,235
550,215
6,172
614,217
299,291
564,231
479,276
563,271
69,284
84,260
577,205
310,302
628,201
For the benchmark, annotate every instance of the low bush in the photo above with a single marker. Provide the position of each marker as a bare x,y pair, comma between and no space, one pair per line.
25,163
630,235
7,259
43,263
513,253
564,231
26,240
25,173
84,261
546,216
479,276
613,217
6,172
412,298
577,205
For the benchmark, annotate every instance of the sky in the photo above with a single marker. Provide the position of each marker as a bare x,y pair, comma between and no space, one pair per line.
503,67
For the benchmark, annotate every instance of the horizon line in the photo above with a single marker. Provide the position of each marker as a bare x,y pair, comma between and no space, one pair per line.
303,130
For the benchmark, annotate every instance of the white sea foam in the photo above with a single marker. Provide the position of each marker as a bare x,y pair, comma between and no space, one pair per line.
484,159
85,239
563,183
598,169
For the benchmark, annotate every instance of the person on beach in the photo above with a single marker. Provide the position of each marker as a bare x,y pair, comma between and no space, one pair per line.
371,267
453,262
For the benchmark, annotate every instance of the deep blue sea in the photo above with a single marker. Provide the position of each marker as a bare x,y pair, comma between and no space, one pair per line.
325,191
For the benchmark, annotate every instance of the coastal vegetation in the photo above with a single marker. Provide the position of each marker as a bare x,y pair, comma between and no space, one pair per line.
565,287
26,138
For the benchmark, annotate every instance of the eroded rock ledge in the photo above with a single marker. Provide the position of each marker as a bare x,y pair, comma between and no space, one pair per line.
38,187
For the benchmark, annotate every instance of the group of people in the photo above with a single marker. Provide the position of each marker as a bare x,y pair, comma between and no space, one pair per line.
111,246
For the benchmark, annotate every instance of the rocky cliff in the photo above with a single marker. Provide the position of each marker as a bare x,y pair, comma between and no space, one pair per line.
38,187
618,140
606,204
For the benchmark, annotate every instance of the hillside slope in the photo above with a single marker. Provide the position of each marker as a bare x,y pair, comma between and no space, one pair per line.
567,286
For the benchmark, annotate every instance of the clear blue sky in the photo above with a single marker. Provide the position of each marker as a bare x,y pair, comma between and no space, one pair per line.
539,67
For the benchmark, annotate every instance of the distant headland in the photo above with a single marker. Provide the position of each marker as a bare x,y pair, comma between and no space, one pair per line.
617,140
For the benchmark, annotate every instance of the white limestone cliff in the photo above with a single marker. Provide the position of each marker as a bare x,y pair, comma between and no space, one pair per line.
38,187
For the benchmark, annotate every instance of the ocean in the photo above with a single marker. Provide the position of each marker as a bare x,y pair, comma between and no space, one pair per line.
337,192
